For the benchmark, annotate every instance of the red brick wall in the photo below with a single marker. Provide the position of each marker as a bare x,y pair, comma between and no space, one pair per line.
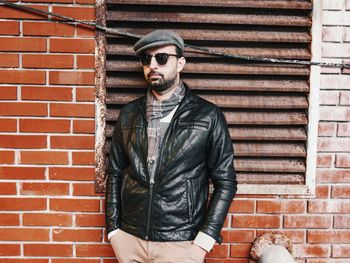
49,211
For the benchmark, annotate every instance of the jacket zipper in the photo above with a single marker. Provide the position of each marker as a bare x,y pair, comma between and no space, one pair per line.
152,178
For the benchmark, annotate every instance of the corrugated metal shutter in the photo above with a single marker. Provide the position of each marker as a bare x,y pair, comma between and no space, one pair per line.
265,105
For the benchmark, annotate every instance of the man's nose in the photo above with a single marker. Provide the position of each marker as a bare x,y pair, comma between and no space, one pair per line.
153,63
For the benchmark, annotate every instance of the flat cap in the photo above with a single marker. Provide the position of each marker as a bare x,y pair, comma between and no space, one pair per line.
158,38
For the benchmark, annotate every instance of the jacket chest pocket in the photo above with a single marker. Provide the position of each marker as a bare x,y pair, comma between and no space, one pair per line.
201,126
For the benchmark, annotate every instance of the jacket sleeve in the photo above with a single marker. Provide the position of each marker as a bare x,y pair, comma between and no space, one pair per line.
222,174
117,163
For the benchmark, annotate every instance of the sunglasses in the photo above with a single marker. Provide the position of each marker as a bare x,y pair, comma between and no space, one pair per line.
161,58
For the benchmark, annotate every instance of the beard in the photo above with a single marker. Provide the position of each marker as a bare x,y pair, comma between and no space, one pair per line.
161,85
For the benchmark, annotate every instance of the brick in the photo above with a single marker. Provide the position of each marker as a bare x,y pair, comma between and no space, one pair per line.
342,221
332,34
333,145
77,235
83,126
333,176
86,31
47,61
71,78
89,220
240,250
23,109
22,44
9,61
48,189
333,4
9,12
341,191
347,5
328,236
22,204
329,113
334,18
75,260
47,29
94,250
307,250
346,36
72,110
85,62
307,221
24,234
54,250
238,236
281,206
9,28
83,158
49,1
342,160
81,13
324,160
341,251
43,157
345,98
242,206
18,173
343,130
75,205
335,82
219,251
8,189
335,50
256,221
45,219
8,125
23,141
84,189
47,93
10,250
24,260
22,77
9,219
71,173
8,92
72,45
297,236
322,191
85,94
329,206
44,125
329,97
7,157
73,142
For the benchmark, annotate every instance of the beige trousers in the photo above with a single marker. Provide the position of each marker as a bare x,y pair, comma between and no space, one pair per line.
131,249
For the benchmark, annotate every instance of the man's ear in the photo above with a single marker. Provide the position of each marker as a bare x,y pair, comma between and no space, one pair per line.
181,62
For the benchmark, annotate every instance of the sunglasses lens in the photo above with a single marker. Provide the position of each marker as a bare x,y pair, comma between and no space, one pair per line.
145,60
162,58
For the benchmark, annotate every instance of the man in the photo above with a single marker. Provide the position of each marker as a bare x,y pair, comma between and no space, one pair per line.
165,148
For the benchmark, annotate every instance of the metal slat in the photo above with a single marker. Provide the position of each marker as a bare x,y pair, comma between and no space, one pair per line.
270,149
228,84
270,178
218,35
267,133
268,165
268,4
247,118
272,52
231,100
209,18
220,68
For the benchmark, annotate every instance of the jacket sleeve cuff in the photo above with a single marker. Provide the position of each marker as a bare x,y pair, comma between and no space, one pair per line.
112,233
204,241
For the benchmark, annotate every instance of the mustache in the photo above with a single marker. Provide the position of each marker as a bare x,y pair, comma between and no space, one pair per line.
154,72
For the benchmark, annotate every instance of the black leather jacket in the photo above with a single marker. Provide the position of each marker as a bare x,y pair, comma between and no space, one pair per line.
196,147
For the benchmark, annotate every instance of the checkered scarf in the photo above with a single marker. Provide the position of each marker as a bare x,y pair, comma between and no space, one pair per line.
155,110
